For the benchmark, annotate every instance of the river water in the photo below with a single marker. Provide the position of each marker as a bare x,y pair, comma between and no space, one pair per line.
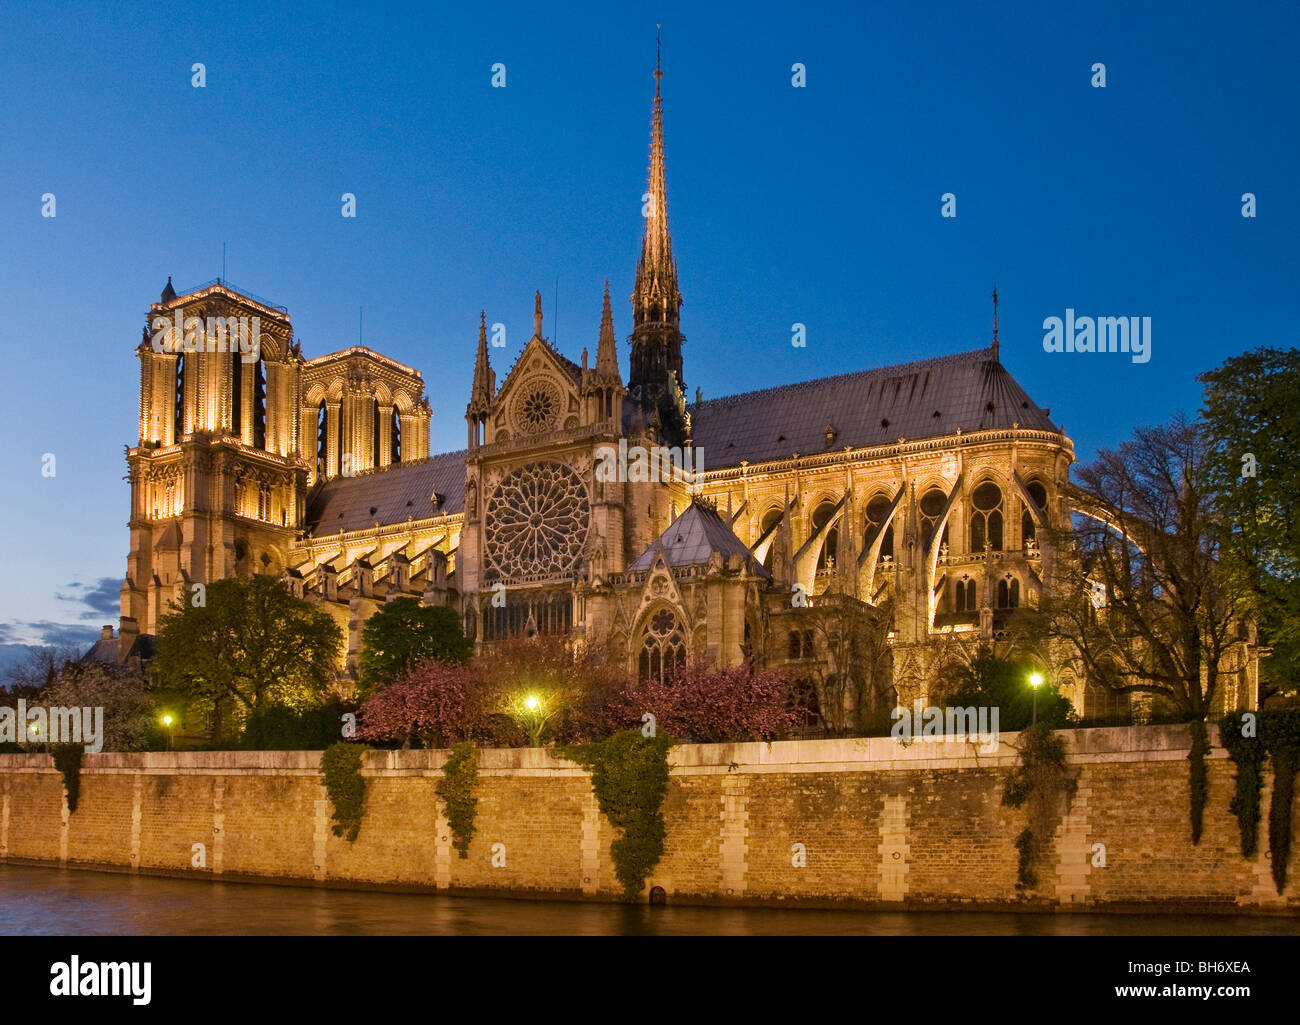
55,901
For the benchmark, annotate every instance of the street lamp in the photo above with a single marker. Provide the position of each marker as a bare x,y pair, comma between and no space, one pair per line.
1036,681
167,721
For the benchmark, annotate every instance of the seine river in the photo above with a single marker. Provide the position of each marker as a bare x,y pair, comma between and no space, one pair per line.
53,901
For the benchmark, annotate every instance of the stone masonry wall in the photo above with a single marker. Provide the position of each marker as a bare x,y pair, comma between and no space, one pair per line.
880,824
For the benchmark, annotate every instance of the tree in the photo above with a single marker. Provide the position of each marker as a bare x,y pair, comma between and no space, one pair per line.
1251,419
38,669
994,681
709,704
857,689
438,703
401,634
252,643
1139,596
579,689
130,722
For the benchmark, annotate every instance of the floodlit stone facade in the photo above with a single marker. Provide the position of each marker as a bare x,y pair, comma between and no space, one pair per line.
864,531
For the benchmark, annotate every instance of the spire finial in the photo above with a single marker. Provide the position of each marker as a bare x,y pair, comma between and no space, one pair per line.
537,314
607,346
484,384
658,70
995,320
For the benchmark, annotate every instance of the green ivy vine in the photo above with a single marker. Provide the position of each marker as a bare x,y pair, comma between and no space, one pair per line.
456,788
1249,737
67,759
1247,753
341,768
1198,776
1039,781
629,775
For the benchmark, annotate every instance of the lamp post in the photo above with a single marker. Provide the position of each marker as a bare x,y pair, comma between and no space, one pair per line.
1036,681
167,721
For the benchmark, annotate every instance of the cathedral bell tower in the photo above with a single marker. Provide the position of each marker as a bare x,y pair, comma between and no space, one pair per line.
218,488
655,383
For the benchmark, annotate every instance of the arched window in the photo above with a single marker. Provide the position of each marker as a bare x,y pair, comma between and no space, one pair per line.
663,647
1039,494
396,442
877,511
796,645
986,517
237,393
259,404
179,419
1008,594
965,596
803,697
769,522
1103,704
322,441
831,541
932,503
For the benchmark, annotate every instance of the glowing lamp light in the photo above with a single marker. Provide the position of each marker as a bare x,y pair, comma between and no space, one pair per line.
1036,680
167,720
531,702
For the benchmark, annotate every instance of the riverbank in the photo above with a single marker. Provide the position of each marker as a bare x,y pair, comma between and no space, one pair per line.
851,825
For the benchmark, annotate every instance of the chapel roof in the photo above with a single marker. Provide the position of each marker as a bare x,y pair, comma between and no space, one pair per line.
693,538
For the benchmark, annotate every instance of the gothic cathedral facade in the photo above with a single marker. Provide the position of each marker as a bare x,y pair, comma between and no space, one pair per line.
860,531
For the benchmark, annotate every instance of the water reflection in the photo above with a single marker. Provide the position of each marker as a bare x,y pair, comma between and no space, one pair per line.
36,900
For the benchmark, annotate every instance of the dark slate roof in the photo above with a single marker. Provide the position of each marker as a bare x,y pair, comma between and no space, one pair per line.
389,495
927,398
103,650
693,537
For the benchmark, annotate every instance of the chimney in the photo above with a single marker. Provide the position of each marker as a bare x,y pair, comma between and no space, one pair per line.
106,634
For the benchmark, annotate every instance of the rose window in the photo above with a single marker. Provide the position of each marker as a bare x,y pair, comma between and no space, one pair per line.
538,408
537,521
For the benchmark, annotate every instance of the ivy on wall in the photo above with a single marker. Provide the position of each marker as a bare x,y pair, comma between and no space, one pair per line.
67,759
1249,738
1248,754
1198,777
629,775
456,788
341,771
1037,783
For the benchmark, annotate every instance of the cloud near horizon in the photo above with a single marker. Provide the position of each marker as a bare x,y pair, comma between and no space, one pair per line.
101,597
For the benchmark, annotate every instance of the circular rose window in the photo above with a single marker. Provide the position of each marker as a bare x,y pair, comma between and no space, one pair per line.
537,409
537,521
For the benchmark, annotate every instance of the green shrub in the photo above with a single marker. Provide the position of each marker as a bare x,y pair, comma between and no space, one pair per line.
277,728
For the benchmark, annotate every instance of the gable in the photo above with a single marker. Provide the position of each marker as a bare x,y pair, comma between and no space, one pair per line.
539,395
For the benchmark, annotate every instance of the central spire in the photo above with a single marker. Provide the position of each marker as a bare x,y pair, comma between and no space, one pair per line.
655,381
656,298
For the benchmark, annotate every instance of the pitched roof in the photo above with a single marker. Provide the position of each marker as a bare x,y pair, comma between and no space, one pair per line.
389,495
693,537
926,398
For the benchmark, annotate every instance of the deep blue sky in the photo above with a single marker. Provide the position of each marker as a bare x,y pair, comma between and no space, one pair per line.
819,205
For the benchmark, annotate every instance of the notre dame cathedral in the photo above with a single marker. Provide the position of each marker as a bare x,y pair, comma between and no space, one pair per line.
857,530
